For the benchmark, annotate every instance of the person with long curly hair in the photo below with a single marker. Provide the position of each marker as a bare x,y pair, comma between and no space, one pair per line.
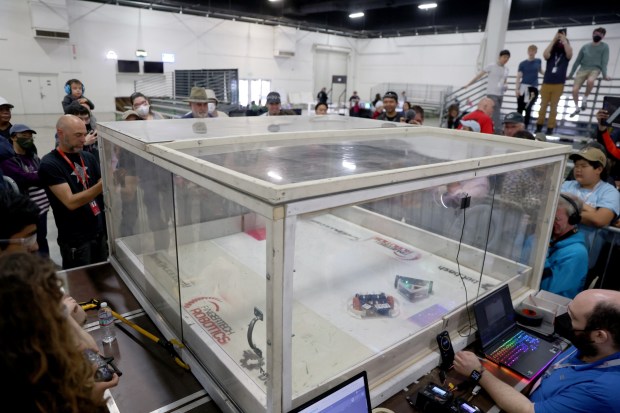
43,366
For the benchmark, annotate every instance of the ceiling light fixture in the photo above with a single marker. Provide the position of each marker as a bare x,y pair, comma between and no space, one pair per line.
427,6
356,15
273,1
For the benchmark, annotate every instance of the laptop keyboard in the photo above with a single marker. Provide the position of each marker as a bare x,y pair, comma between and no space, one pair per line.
509,352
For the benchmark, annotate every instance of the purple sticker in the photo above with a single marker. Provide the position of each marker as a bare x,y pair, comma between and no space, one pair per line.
429,315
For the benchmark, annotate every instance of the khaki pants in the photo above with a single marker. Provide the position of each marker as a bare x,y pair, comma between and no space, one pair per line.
549,94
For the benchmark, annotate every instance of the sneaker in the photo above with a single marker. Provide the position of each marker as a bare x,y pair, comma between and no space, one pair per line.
549,131
576,112
583,105
540,137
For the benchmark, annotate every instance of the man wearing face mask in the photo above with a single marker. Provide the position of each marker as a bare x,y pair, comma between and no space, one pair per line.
212,105
23,167
203,104
585,377
591,61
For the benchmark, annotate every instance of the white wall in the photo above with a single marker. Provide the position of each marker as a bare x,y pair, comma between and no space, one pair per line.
198,42
207,43
450,59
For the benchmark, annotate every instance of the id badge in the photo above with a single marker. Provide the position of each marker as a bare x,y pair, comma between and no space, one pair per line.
94,207
554,70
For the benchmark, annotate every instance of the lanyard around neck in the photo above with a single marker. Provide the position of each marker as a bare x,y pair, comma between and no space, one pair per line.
82,179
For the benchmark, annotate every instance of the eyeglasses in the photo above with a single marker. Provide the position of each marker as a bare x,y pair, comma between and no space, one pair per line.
26,242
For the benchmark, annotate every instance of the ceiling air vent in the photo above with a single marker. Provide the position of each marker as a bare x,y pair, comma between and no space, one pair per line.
49,34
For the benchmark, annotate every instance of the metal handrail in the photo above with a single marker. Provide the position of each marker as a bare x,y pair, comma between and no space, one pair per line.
583,125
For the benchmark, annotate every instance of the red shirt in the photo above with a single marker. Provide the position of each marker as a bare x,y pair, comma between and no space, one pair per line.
486,123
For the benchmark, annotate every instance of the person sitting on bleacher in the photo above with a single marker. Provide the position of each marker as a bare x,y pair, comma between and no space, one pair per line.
566,265
601,200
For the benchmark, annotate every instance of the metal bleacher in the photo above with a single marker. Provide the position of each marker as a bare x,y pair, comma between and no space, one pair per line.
572,130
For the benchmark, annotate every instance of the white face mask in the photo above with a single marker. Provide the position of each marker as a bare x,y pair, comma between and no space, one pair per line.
211,107
143,111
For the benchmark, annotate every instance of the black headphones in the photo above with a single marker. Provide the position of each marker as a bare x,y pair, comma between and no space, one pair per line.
68,86
575,217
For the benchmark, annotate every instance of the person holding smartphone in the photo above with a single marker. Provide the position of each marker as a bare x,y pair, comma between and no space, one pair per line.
609,137
557,54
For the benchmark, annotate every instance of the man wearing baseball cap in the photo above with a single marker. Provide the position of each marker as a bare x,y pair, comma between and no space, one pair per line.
274,106
601,201
390,106
23,167
5,118
513,123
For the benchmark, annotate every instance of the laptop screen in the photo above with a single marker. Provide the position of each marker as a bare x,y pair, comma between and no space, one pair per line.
494,315
352,396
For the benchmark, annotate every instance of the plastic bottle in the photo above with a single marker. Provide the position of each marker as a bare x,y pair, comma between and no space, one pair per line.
106,323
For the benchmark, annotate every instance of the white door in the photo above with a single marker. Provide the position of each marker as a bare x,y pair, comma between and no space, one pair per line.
326,65
40,93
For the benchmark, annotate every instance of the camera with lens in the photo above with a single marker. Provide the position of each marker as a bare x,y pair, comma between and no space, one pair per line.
105,368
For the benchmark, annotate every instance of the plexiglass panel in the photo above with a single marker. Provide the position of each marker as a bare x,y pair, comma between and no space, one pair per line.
290,162
139,200
222,267
371,276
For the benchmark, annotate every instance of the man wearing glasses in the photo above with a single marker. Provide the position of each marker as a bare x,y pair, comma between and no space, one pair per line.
585,377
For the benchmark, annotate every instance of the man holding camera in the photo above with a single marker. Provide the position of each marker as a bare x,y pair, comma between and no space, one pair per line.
557,54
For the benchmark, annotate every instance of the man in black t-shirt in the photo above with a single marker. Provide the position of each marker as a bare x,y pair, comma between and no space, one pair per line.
390,106
73,185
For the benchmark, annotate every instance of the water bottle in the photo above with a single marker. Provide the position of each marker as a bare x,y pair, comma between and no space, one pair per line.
106,323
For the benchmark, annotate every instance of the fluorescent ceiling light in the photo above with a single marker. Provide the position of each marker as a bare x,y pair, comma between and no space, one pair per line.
356,15
167,57
111,55
427,6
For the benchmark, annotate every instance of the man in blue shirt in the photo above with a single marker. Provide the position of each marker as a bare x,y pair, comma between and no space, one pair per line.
566,265
585,378
526,85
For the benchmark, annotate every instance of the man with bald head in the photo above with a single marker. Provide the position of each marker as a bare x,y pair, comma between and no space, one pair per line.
585,377
482,115
73,185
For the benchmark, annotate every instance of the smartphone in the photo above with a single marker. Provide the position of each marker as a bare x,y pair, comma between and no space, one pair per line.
445,350
612,105
563,31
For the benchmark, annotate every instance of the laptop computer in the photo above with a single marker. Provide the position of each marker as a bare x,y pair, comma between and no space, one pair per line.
504,342
352,396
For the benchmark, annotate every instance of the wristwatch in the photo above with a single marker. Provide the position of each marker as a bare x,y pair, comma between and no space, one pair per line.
476,375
